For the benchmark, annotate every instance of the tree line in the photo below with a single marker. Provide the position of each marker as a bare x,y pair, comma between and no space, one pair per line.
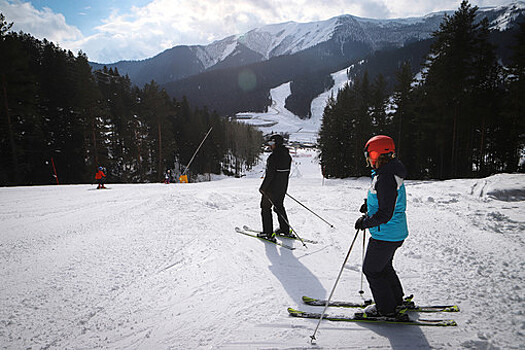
464,117
57,116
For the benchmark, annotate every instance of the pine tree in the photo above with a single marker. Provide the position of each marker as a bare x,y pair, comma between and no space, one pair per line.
8,147
156,110
406,129
378,106
460,62
329,142
345,128
510,137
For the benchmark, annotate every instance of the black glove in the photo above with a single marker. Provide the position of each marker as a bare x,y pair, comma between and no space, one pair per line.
359,224
364,208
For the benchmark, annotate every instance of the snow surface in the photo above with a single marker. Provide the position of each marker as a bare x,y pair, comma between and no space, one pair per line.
154,266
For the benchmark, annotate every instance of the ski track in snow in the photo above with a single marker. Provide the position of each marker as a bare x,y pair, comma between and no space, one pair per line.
154,266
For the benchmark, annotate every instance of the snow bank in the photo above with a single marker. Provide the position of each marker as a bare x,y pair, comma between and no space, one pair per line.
503,187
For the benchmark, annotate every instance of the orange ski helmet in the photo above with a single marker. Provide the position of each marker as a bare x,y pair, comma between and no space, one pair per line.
378,145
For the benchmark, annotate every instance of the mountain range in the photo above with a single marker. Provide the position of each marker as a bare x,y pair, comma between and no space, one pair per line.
236,73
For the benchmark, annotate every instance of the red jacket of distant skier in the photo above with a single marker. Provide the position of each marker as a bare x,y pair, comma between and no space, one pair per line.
100,175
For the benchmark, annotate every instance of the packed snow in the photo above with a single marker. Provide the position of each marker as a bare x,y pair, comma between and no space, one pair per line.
156,266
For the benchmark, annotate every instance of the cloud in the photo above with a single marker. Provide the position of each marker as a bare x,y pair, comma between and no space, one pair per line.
41,24
161,24
148,30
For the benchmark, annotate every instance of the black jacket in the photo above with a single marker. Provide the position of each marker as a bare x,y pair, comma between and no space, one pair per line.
275,181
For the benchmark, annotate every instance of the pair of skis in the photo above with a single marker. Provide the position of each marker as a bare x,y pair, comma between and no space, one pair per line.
361,317
253,233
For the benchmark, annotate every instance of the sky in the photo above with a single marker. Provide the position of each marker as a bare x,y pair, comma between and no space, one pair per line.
112,30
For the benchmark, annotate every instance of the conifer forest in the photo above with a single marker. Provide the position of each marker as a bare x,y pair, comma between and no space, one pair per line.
60,121
465,116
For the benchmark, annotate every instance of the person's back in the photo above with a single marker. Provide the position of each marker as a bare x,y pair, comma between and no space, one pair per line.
282,159
274,187
100,176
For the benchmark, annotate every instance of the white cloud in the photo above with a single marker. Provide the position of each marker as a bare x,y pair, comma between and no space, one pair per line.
41,24
148,30
162,24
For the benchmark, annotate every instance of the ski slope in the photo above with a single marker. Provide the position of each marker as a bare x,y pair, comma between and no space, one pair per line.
155,266
278,119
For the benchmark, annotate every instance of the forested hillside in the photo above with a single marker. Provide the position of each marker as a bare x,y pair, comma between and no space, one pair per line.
59,117
246,88
463,118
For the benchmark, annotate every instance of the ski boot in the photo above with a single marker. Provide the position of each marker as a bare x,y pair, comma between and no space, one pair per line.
408,303
371,311
399,315
268,236
289,234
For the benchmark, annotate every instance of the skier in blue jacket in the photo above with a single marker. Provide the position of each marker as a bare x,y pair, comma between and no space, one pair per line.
386,220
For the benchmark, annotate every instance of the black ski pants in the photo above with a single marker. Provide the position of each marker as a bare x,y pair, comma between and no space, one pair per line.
278,207
384,283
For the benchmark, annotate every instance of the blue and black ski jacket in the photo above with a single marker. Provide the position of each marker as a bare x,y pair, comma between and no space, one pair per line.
386,203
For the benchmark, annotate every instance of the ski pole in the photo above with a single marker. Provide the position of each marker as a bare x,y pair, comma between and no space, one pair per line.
311,211
287,223
333,288
361,291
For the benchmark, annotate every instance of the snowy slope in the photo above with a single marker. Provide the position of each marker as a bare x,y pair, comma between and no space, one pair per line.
288,38
280,120
507,15
211,54
152,266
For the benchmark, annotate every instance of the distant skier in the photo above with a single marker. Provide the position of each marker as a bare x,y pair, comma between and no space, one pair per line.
386,220
273,188
100,177
167,177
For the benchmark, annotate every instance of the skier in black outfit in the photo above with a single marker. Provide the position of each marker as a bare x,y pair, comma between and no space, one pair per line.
273,188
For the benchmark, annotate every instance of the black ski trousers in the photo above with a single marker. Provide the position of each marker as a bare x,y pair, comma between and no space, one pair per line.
384,283
266,213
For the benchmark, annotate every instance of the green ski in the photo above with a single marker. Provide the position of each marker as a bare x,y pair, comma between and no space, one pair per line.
358,317
361,305
239,230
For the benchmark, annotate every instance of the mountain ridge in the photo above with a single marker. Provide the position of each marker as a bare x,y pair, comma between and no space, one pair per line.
292,37
318,47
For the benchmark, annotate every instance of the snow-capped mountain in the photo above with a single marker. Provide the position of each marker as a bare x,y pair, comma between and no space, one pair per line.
291,37
279,53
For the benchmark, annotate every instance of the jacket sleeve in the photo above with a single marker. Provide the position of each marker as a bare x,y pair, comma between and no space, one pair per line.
386,187
271,170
